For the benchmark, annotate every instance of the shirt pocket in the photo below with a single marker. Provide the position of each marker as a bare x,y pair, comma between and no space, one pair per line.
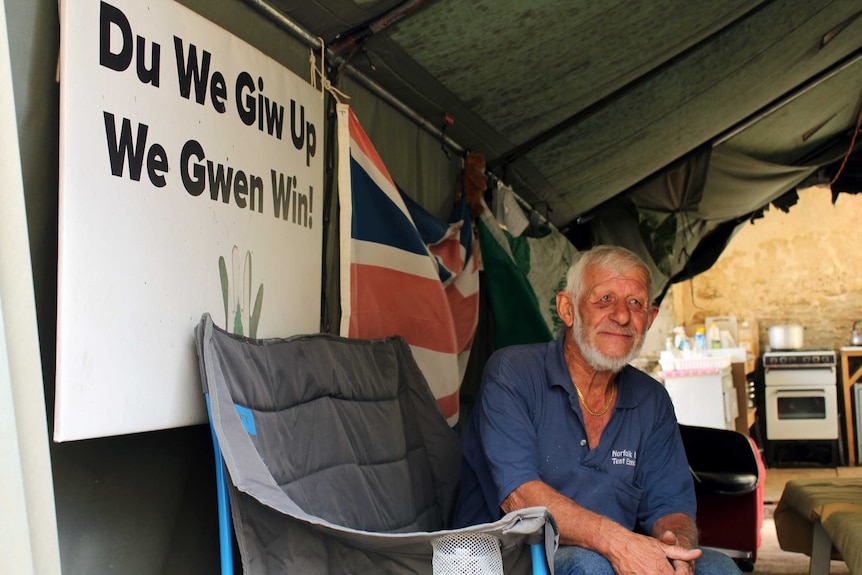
628,499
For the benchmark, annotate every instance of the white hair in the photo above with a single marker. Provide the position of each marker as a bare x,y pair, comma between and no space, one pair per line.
616,259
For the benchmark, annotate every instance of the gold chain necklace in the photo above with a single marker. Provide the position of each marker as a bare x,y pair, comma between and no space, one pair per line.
587,407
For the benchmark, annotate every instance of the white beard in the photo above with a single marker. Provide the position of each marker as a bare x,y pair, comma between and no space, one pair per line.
597,359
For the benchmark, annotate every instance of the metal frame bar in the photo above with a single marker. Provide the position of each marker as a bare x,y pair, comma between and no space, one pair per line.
279,18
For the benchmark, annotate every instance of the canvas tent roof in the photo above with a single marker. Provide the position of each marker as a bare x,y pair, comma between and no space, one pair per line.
686,117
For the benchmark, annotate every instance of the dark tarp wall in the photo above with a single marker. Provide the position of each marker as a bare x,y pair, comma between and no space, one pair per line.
667,217
576,104
575,107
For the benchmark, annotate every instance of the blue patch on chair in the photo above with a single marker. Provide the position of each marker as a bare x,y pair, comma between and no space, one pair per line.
247,418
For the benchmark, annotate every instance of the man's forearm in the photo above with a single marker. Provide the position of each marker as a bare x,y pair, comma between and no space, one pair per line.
577,525
627,552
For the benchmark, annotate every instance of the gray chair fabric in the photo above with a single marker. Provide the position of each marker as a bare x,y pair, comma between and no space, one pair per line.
338,457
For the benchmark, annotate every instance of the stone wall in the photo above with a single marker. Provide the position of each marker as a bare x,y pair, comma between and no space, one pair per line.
801,267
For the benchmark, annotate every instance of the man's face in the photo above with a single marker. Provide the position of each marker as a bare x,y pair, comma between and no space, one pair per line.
612,317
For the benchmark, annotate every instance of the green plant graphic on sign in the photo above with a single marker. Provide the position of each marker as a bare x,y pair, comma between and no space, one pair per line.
236,292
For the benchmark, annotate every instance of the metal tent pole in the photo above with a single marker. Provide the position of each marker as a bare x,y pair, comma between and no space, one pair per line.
279,18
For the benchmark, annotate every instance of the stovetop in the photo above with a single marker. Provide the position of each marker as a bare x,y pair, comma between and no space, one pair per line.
799,358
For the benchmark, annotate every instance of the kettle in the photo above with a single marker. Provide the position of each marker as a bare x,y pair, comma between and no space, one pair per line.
856,336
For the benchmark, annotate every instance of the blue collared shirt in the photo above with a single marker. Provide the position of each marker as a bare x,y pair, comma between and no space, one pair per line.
527,424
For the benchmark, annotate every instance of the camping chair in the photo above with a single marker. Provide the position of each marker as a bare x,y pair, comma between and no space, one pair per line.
728,479
338,459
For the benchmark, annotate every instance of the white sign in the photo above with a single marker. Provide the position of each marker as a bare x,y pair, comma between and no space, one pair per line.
191,181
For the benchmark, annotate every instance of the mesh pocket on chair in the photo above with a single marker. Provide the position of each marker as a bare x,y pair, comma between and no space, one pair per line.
467,554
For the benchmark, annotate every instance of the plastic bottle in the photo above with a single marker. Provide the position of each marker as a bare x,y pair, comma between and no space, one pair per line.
714,336
679,337
746,338
699,340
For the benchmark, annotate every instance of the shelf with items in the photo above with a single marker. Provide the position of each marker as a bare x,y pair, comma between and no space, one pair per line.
739,372
849,376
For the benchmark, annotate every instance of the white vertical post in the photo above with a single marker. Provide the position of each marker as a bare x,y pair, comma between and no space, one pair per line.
28,528
821,550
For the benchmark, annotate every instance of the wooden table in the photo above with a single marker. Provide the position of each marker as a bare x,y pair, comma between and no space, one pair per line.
847,381
740,371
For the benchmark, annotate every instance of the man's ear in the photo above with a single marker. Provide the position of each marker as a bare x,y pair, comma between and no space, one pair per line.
566,308
653,312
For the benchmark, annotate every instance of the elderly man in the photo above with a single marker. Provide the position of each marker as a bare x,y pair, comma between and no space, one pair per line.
571,426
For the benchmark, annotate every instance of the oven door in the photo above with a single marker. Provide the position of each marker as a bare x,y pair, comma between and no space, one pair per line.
797,412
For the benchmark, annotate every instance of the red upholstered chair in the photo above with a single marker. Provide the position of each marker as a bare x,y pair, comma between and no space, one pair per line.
729,476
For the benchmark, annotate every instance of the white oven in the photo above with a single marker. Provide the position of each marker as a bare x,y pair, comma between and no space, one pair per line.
801,396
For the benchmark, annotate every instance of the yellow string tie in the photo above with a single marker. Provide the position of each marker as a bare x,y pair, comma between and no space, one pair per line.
325,84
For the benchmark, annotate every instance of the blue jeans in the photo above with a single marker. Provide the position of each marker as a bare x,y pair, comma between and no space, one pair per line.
570,560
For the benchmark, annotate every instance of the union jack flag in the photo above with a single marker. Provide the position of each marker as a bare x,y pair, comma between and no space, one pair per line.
403,271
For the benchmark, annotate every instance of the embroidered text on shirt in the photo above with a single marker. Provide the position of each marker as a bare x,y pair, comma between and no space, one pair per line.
624,457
